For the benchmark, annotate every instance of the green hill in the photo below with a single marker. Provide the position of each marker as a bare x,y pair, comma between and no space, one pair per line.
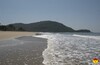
42,26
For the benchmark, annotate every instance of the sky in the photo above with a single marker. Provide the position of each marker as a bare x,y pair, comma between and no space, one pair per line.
77,14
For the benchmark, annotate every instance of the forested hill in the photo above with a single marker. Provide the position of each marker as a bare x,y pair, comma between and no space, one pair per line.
42,26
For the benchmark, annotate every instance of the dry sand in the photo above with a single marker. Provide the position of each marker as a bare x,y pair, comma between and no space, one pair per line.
12,34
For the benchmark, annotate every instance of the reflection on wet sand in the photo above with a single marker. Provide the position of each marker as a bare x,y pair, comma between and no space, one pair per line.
29,53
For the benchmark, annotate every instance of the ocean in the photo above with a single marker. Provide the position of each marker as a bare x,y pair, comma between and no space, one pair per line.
71,48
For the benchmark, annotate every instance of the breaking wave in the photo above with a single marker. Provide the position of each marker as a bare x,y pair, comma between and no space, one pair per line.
87,36
74,49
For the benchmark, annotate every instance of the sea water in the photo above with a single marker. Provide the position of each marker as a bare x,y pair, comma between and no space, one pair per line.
10,42
71,48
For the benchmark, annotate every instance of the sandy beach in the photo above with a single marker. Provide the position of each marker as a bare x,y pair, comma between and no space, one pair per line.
12,34
23,50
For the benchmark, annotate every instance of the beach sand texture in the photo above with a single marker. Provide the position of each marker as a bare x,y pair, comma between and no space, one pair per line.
25,50
11,34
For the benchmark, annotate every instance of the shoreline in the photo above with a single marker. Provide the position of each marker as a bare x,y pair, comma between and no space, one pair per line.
28,53
5,35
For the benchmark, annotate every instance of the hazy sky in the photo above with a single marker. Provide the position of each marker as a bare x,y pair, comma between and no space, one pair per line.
78,14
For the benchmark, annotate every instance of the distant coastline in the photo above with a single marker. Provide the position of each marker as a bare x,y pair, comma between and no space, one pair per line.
42,26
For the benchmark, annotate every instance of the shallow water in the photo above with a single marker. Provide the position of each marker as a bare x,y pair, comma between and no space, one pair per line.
24,50
71,49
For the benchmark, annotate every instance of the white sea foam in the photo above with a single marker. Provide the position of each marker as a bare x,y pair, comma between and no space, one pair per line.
70,49
86,36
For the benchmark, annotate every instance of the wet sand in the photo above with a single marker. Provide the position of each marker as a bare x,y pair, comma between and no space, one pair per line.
27,53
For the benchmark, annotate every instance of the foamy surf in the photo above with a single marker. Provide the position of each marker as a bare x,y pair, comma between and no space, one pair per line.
65,49
86,36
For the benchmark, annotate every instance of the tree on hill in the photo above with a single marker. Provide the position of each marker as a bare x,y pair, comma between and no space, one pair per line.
3,28
20,29
11,28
